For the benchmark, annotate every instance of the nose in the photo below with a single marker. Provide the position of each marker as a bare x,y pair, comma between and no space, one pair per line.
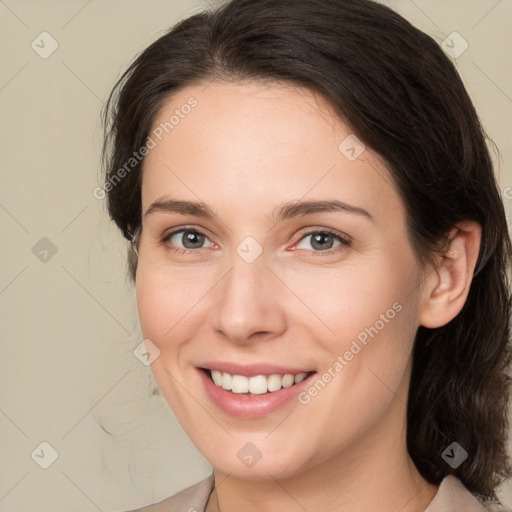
249,303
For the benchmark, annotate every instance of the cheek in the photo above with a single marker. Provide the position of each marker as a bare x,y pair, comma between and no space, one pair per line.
382,312
352,298
373,317
371,310
166,314
166,305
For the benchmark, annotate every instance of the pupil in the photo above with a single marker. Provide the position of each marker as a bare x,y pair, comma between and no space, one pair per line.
319,241
195,239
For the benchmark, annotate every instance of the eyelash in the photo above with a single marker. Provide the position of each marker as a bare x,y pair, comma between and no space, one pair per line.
344,240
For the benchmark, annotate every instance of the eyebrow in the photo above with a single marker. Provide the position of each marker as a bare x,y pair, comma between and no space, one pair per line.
282,212
302,208
196,209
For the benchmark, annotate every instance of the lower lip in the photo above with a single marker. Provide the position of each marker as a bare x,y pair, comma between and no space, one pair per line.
245,406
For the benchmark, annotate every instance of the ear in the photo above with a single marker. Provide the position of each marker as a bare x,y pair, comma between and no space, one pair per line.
447,286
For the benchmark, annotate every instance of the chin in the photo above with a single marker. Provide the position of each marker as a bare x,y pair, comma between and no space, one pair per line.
245,461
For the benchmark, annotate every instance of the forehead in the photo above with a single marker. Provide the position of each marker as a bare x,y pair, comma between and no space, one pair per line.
256,145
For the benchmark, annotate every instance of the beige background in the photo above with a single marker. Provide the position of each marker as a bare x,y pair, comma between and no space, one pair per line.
69,324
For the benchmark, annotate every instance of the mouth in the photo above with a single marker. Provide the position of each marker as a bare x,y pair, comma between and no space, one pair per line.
254,385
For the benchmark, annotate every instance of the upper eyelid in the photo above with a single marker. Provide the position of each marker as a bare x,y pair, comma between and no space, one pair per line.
329,231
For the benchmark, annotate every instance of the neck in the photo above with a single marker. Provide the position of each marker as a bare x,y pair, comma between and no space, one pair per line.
330,487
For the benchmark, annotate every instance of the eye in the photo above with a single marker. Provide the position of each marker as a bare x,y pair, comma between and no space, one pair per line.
186,240
323,241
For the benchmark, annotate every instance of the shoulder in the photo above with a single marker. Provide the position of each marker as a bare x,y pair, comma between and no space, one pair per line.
453,496
191,499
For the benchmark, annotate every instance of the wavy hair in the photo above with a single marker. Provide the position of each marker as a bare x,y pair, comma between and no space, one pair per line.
402,96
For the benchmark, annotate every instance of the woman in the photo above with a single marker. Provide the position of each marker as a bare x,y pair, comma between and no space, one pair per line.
319,251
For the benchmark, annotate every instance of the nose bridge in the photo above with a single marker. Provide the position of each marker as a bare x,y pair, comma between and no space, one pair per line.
247,301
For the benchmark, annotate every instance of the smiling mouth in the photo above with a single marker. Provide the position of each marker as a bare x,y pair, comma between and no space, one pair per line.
254,385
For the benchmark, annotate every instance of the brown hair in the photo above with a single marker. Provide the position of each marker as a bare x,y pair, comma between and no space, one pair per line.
402,96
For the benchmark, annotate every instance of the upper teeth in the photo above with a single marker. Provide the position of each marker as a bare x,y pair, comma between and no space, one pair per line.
258,384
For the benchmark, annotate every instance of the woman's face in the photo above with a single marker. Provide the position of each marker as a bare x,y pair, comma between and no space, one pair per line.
297,263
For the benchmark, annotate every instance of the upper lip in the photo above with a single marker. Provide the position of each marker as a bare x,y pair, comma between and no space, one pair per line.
249,370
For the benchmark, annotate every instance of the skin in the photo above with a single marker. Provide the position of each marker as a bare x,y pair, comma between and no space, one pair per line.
244,150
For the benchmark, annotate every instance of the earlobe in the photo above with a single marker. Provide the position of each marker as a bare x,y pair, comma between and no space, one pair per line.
447,286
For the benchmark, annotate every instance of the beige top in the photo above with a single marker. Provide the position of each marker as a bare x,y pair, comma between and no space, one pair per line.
451,496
